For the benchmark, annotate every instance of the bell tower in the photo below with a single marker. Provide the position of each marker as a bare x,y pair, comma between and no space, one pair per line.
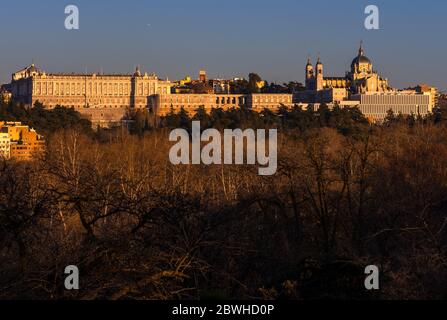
310,77
320,75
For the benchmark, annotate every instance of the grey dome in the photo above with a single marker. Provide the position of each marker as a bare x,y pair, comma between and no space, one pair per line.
361,58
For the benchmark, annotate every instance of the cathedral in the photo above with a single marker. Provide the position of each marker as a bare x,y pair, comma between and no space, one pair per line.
360,79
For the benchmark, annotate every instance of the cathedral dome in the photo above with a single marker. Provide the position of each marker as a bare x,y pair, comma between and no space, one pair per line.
361,64
361,58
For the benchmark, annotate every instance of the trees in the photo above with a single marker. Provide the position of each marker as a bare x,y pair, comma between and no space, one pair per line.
25,201
346,195
201,88
45,121
204,118
177,119
254,81
347,121
141,121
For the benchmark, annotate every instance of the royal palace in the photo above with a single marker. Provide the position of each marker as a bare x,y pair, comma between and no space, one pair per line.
103,98
106,99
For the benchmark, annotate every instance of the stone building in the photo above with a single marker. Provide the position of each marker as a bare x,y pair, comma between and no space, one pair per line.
428,90
364,88
5,94
5,145
375,106
163,104
112,94
260,101
19,142
359,80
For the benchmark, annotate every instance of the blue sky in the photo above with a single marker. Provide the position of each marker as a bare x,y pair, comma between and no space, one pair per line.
227,38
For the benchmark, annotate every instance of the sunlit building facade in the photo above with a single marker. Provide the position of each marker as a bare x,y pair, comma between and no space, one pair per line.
364,88
5,145
112,94
164,104
19,142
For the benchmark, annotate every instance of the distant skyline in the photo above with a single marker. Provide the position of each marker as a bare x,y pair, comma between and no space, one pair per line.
228,39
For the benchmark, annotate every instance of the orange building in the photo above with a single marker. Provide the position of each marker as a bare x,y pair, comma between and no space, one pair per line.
25,143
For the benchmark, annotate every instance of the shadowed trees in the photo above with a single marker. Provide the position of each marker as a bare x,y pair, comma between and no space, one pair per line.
346,195
45,121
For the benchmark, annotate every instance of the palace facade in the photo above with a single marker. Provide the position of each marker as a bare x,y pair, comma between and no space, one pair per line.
163,104
106,99
102,98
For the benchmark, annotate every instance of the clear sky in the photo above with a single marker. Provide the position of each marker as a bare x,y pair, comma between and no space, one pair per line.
227,38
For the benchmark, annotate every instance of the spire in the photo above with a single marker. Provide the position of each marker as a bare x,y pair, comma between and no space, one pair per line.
137,71
361,51
309,63
319,60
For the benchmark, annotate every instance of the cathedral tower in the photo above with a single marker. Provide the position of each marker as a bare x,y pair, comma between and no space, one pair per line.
310,77
320,75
